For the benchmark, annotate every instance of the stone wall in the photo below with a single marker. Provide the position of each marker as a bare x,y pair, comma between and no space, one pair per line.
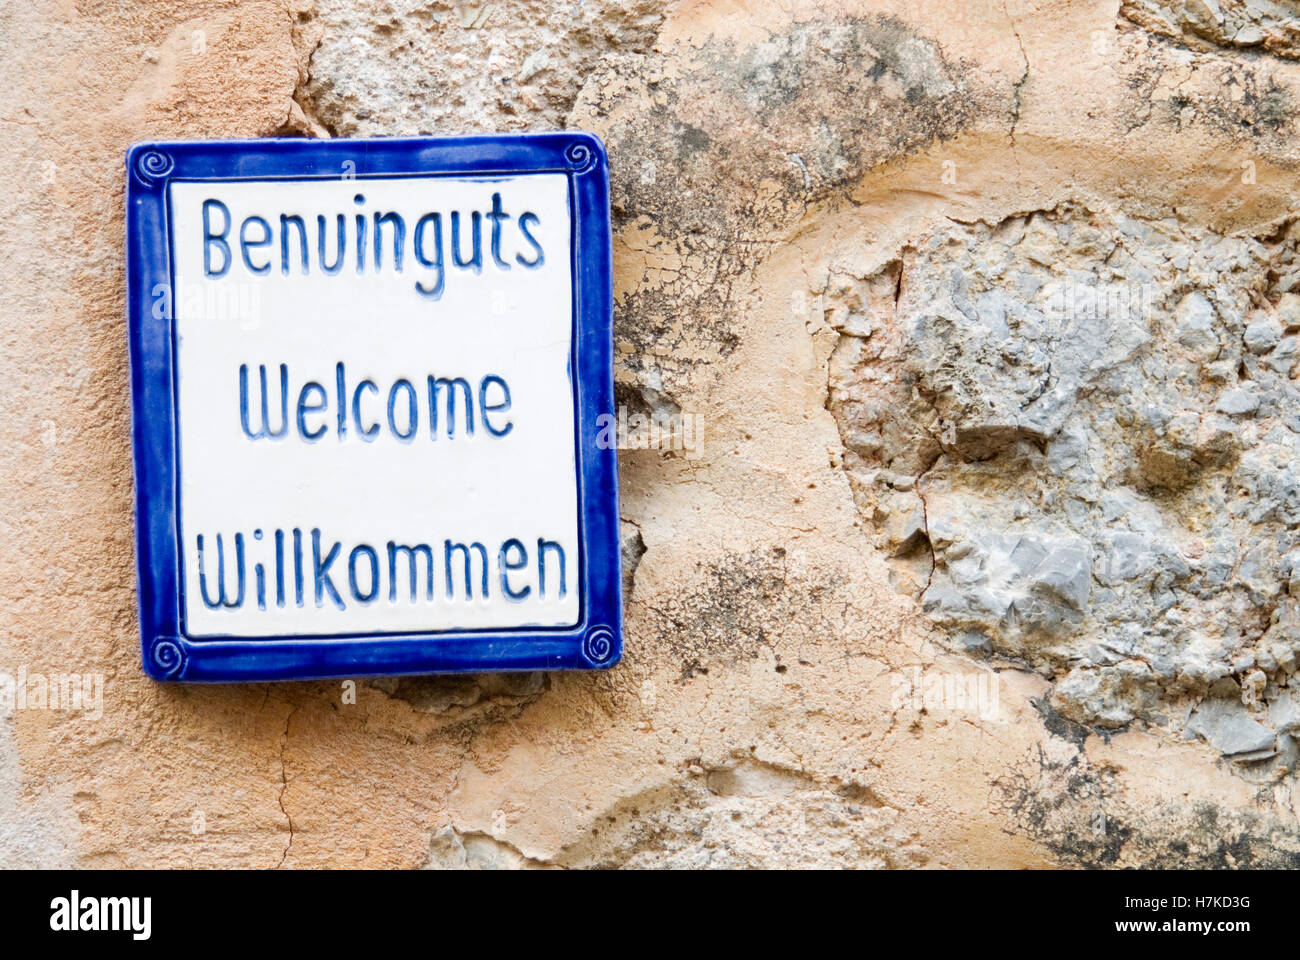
987,552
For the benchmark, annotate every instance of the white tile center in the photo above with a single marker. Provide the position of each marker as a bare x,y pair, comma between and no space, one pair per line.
353,510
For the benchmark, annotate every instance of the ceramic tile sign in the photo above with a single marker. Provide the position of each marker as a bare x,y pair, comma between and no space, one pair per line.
368,380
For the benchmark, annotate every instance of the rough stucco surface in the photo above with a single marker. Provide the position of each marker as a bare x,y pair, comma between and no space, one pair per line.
991,313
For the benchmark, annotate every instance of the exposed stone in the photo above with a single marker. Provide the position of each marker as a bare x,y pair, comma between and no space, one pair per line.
1263,334
1284,713
1272,25
410,66
1237,402
1230,729
1077,384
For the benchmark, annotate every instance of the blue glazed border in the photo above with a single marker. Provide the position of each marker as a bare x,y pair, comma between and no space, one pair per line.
167,653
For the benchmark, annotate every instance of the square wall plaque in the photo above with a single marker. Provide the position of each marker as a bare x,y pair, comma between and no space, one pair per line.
368,385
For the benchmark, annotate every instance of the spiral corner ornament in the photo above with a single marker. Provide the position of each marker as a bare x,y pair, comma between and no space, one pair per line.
169,657
598,645
153,165
580,156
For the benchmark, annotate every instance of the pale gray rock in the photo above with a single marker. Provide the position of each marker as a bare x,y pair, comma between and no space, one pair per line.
1019,582
443,67
1236,403
1272,25
1229,727
1263,334
1284,713
1110,439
